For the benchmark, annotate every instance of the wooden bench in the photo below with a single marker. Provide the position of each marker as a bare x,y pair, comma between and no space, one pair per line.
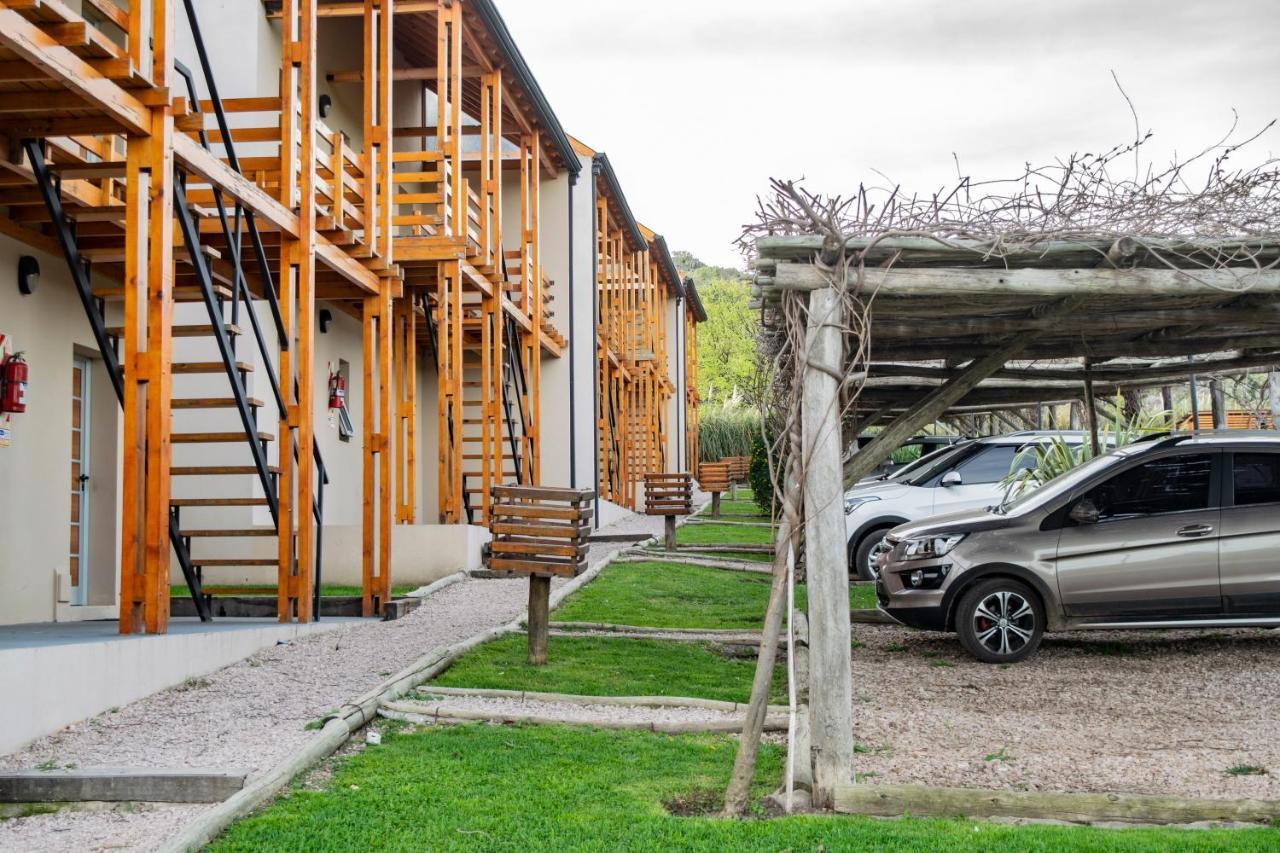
668,495
713,477
539,532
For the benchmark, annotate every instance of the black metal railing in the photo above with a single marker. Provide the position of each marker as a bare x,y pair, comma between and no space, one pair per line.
51,192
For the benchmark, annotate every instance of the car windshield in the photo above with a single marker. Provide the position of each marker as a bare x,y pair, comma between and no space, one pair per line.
1060,485
924,461
939,463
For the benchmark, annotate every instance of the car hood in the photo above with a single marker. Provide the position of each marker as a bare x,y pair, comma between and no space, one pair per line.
883,491
965,521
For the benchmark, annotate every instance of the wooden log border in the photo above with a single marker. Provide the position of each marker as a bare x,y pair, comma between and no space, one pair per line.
932,801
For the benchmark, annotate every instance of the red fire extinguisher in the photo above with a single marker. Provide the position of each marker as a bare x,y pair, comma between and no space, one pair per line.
13,384
337,390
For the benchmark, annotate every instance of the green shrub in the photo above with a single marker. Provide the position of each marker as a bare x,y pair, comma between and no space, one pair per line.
726,431
758,476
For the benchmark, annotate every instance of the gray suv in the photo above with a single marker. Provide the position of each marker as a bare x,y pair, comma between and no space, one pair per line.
1181,532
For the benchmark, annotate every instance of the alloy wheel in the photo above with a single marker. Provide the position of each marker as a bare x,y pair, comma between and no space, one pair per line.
873,558
1004,622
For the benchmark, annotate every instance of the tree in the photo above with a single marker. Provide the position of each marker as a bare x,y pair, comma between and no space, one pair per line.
726,341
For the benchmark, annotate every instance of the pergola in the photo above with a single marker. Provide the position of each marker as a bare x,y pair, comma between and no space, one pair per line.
954,329
893,311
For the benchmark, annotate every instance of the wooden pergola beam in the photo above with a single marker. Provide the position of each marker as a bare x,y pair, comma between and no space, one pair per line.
994,284
930,408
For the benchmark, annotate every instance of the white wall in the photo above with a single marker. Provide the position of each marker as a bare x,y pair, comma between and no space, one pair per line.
50,328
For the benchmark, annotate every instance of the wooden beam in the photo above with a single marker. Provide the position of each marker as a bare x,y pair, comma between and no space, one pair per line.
930,408
961,284
60,64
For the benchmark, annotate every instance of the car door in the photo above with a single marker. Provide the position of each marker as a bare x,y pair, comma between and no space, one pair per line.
1153,552
980,475
1249,547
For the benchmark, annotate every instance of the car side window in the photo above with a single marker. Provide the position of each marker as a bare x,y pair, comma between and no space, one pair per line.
1256,478
1170,484
989,466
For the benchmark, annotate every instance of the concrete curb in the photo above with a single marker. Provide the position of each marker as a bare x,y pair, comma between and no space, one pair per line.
434,587
578,699
395,711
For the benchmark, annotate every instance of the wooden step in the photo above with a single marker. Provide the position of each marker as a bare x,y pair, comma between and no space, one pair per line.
247,532
199,330
214,403
184,293
216,437
216,470
192,367
192,502
247,561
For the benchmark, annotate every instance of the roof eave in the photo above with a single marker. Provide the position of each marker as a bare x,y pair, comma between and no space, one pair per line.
497,27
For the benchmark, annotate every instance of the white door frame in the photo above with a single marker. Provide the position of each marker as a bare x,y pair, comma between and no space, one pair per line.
80,593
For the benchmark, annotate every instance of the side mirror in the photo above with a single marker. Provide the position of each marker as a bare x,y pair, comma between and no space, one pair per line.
1085,512
952,478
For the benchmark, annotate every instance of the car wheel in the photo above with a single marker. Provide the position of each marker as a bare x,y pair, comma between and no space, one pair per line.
868,554
1000,621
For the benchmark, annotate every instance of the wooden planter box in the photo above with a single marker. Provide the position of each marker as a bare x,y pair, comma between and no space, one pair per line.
540,532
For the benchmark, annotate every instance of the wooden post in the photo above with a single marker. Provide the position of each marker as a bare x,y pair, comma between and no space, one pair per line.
715,504
539,617
1274,382
826,565
1091,410
1218,403
669,526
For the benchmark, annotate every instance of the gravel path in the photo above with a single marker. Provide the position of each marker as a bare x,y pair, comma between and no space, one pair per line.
252,714
1153,713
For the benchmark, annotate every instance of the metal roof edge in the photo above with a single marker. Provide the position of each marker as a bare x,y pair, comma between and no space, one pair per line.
493,21
601,161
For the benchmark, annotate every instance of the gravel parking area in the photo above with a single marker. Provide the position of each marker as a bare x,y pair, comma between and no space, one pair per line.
1137,712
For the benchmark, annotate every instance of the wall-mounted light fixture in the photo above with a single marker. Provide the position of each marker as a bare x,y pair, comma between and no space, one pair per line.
325,104
28,275
325,317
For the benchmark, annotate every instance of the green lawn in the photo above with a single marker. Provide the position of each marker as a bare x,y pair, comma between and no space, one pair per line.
500,788
723,534
610,666
326,590
672,595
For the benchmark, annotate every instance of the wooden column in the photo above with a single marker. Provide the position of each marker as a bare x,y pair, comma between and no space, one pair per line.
377,485
287,437
305,57
406,383
1218,402
148,356
1091,410
1273,381
826,566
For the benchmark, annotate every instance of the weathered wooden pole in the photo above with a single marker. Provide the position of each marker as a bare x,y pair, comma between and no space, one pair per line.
827,569
1091,410
715,504
539,617
669,529
1274,381
1218,403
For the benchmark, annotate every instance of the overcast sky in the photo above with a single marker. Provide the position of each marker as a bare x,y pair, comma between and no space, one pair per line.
699,102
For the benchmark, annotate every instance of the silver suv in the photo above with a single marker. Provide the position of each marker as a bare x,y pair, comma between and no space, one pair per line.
1181,532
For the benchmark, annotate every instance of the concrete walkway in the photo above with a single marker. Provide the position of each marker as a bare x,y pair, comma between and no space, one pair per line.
252,714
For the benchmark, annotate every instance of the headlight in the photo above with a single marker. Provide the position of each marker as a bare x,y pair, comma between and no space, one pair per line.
928,547
852,502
